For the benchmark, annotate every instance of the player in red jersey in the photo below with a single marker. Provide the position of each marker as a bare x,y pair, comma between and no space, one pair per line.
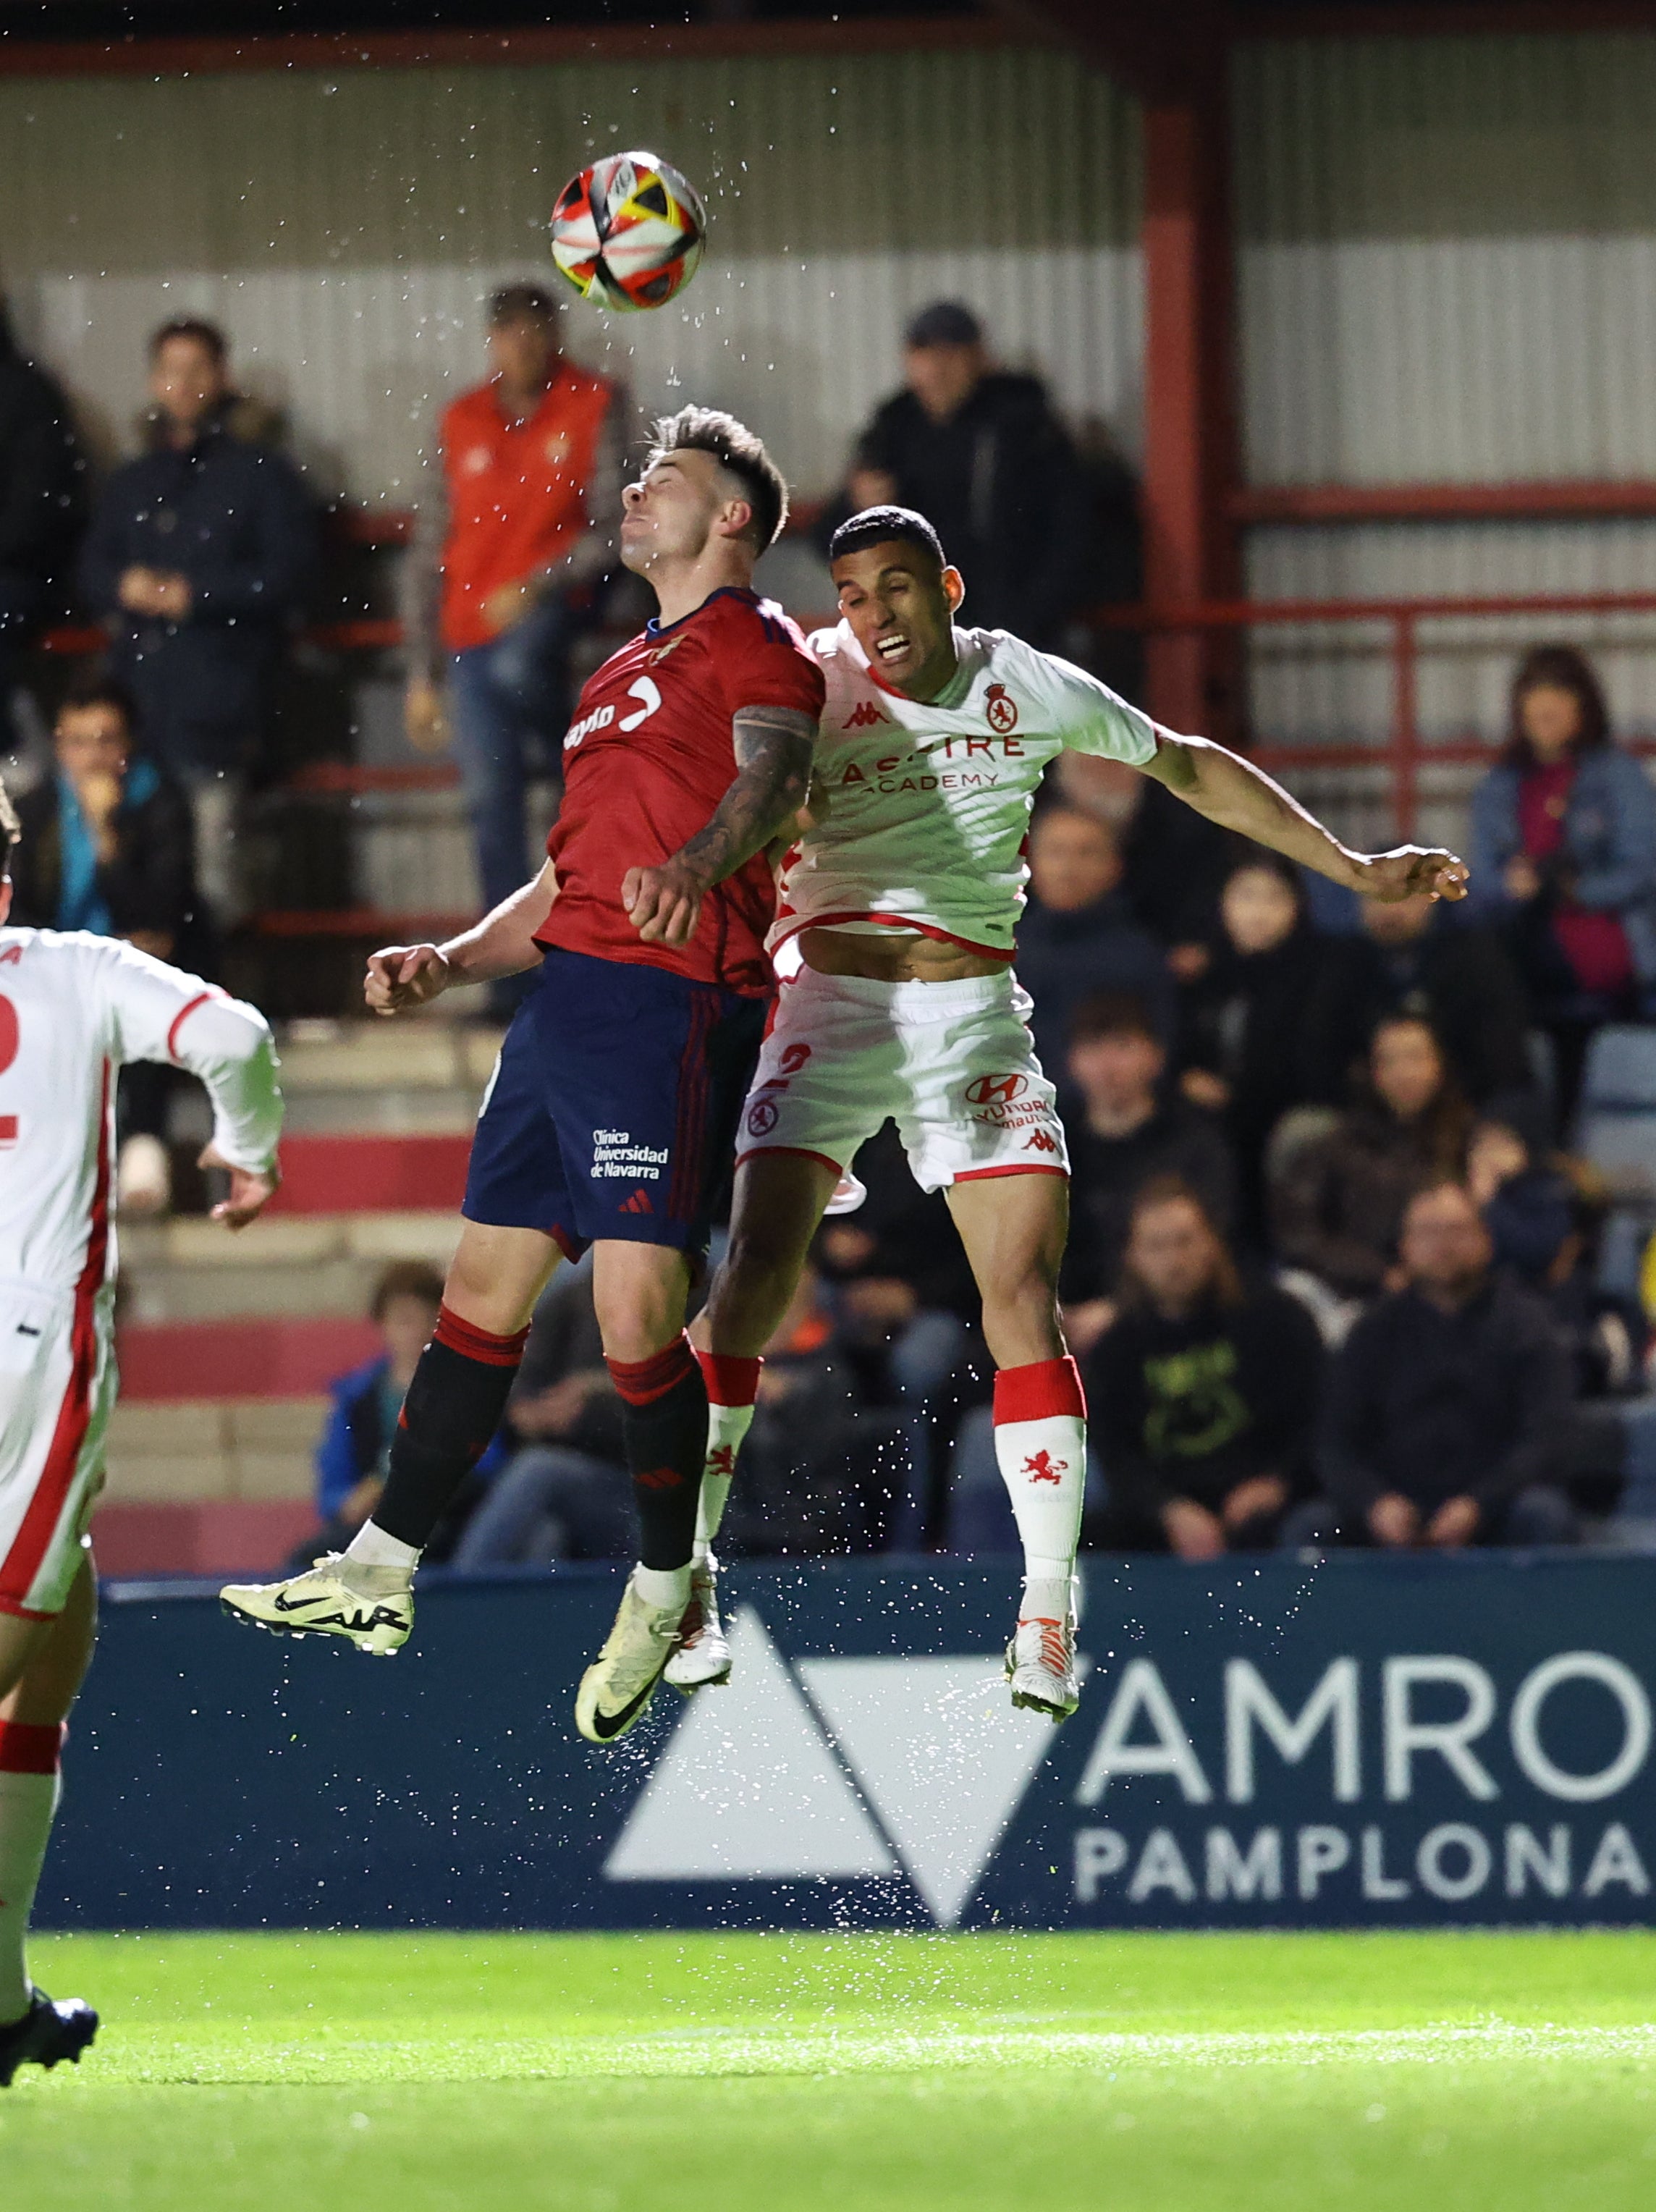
610,1118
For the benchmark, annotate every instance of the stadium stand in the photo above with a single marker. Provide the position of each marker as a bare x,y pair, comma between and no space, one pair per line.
227,1347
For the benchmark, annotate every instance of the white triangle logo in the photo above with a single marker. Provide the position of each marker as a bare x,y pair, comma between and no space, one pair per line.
942,1755
746,1790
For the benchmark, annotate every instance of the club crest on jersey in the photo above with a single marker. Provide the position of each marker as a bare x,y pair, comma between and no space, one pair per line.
662,651
863,716
761,1117
1001,708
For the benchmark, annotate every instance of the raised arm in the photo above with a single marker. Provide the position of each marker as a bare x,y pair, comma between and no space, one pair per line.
773,747
400,976
1238,796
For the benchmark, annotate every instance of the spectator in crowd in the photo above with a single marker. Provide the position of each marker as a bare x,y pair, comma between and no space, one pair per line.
563,1493
1076,937
1338,1202
516,529
197,557
1124,1135
1413,957
980,454
824,1468
1243,1020
906,1310
1173,860
1204,1394
1564,855
1545,1212
108,846
351,1457
1449,1405
42,505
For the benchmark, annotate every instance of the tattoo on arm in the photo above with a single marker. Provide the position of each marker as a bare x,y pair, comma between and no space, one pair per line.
773,749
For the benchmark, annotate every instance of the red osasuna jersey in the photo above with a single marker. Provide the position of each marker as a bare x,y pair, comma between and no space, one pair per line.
647,760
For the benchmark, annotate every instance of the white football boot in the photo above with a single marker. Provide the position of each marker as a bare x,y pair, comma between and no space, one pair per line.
615,1690
1041,1667
702,1659
376,1618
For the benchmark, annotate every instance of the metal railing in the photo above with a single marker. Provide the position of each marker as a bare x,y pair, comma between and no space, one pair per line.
1405,750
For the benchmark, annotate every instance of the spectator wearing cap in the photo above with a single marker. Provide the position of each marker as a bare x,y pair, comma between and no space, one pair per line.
515,530
42,506
196,558
980,454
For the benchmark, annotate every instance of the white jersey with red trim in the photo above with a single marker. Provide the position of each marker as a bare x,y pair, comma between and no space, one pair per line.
74,1009
920,808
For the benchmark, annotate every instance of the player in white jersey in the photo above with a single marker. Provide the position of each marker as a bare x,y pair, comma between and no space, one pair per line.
74,1009
902,897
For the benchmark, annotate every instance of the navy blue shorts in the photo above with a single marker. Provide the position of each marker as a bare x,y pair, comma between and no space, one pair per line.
613,1111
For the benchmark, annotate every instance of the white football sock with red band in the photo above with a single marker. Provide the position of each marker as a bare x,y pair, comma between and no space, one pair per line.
29,1786
732,1387
1041,1445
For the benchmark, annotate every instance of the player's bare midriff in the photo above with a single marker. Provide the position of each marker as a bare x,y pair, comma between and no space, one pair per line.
900,957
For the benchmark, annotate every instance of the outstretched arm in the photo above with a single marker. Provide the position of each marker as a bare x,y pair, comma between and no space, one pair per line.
1238,796
773,747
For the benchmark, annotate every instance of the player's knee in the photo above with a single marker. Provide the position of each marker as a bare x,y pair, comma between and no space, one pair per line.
763,1259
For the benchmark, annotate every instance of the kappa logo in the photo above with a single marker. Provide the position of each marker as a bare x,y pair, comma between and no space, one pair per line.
1038,1141
996,1090
837,1769
1001,708
863,716
1043,1467
721,1459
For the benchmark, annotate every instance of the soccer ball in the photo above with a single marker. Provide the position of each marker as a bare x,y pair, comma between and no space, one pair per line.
627,232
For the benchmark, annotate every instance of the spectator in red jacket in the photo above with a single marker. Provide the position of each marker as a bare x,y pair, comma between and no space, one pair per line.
515,529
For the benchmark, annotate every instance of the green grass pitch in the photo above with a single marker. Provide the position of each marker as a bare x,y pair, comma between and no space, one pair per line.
856,2072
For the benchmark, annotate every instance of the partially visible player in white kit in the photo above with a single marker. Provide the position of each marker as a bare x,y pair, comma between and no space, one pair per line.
902,896
74,1009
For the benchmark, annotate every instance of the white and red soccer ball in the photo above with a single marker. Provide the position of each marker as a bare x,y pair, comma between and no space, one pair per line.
627,232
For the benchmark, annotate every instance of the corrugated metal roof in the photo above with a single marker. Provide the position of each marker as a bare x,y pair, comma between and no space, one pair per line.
346,231
1447,258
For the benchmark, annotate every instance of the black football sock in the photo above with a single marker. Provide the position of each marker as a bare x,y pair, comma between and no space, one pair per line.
664,1426
453,1406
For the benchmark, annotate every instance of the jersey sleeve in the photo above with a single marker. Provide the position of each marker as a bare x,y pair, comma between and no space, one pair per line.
768,665
160,1012
1090,717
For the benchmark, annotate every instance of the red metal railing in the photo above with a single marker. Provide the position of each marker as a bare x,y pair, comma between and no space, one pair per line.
1404,751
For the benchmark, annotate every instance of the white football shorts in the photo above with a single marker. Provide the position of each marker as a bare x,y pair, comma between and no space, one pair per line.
57,1386
953,1064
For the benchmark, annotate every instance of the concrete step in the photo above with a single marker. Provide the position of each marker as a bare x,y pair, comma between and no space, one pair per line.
189,1450
292,1264
353,1175
277,1358
375,1055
